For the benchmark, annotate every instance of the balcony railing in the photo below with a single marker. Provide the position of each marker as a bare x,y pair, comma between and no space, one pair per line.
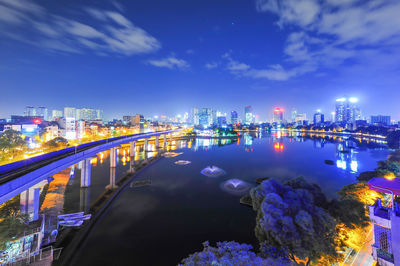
384,255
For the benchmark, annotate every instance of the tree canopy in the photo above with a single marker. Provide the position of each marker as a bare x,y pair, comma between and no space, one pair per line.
290,216
10,140
230,253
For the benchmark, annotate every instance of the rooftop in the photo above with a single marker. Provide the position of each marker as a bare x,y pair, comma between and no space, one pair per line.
385,185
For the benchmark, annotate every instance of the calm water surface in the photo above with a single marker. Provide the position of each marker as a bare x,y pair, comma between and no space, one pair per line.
162,223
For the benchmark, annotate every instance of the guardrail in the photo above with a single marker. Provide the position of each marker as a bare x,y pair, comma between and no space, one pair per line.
8,169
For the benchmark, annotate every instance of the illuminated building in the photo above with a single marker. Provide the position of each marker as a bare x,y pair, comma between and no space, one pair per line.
347,111
234,117
42,112
278,115
86,114
195,116
70,112
294,114
386,222
56,114
137,120
319,118
248,115
30,111
205,117
380,120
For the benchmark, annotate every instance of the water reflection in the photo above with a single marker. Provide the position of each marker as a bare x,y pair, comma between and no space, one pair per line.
40,204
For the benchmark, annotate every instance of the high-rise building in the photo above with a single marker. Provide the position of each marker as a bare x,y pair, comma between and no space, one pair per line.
319,118
294,114
234,117
380,120
30,111
194,116
137,120
278,115
347,111
42,112
248,115
56,114
70,112
205,117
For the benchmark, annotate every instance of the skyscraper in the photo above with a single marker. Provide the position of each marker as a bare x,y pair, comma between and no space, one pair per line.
294,114
248,115
205,117
30,111
70,112
347,111
278,115
43,112
56,114
319,118
234,117
194,116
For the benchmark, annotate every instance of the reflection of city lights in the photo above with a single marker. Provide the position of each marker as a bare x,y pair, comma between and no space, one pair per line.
278,146
354,166
341,164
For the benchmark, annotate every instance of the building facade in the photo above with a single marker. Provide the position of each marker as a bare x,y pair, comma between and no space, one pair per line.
386,222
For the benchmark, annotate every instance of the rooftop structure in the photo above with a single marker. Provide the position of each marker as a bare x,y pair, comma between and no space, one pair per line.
386,222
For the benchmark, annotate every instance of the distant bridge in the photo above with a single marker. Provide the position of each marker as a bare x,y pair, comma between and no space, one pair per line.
26,176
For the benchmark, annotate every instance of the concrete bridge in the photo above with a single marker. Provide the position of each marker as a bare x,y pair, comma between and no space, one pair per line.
26,177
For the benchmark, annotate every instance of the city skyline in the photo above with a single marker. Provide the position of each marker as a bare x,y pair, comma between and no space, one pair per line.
107,56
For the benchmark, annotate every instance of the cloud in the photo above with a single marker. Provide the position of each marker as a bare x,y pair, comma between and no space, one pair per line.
272,72
211,65
326,34
115,34
170,62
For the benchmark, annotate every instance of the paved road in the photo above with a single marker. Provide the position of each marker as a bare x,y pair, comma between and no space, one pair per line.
363,257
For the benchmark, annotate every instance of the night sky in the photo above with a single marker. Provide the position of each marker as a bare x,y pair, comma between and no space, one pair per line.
163,57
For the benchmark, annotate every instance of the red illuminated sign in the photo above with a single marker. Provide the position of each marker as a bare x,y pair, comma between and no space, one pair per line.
37,121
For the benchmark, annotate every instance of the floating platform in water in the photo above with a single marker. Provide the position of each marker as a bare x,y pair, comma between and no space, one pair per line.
236,187
171,154
212,171
182,162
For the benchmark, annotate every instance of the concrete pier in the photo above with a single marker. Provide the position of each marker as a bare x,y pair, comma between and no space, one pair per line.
86,173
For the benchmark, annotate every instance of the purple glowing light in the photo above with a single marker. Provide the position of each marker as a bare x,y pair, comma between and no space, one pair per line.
236,187
212,171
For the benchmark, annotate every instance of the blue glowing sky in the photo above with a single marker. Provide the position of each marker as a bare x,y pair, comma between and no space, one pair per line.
164,57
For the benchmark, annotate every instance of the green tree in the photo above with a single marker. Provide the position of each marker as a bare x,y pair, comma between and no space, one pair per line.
12,227
11,142
289,216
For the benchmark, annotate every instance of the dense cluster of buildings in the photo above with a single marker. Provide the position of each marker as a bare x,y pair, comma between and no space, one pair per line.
346,115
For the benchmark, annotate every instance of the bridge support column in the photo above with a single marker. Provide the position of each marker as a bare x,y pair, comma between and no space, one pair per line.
112,184
157,142
170,137
113,157
84,202
132,166
146,143
165,141
29,200
86,173
132,148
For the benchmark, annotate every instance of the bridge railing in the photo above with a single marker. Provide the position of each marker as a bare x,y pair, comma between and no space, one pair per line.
20,165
